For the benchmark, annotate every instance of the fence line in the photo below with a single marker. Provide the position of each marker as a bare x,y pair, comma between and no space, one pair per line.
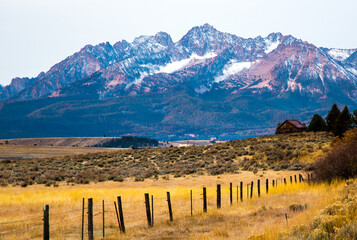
166,206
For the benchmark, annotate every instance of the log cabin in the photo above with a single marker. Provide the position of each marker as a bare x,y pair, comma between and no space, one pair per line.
291,126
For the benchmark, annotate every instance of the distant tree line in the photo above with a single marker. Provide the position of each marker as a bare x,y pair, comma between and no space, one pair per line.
336,121
129,142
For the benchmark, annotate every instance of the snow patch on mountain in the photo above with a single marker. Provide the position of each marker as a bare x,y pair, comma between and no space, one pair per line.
340,54
178,65
352,70
201,89
270,46
150,69
232,68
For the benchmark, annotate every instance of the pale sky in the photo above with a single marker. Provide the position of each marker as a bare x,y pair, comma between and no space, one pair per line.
36,34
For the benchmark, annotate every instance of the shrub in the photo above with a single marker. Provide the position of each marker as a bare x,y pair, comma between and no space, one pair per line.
339,163
139,179
297,207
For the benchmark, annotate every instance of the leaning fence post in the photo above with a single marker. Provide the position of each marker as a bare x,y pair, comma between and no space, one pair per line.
147,204
251,189
83,219
90,218
46,222
204,200
267,185
230,193
121,215
258,185
117,214
241,191
218,195
169,205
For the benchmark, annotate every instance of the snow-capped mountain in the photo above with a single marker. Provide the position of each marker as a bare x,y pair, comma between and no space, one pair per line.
205,67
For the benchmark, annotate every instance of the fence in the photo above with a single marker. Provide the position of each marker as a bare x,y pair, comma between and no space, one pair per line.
94,219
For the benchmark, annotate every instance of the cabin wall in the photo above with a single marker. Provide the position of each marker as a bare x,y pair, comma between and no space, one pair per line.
289,128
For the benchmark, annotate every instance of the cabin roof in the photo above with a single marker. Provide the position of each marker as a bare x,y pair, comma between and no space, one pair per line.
295,123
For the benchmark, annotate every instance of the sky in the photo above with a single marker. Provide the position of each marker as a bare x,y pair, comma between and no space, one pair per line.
36,34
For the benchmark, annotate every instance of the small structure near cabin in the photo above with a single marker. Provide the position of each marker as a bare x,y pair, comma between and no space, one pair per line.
290,126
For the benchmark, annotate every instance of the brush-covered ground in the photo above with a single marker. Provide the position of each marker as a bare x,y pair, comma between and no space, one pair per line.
273,152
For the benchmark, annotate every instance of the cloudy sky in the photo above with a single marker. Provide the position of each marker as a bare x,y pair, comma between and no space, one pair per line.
36,34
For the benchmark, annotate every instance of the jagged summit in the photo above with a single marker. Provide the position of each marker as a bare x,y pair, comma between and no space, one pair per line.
206,73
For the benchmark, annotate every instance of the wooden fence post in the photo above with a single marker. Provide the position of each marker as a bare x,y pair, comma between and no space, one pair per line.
251,189
308,177
295,179
90,218
121,214
267,185
152,210
241,191
301,179
103,218
291,179
117,214
230,193
273,182
204,200
83,218
46,222
258,185
147,205
284,180
191,201
218,195
276,183
169,205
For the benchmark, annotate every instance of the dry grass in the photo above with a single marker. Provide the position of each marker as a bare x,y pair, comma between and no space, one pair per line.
29,152
240,221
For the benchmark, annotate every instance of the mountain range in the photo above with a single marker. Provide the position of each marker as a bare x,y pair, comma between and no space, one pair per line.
209,83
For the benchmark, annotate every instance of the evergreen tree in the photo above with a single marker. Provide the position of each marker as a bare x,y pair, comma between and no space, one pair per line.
317,124
343,122
355,117
332,117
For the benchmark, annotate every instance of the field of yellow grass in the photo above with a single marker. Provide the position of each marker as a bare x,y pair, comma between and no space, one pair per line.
21,209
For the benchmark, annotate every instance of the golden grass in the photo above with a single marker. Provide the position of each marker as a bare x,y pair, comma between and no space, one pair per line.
251,217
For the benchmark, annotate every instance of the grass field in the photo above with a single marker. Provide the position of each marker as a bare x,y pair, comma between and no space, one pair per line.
20,152
250,218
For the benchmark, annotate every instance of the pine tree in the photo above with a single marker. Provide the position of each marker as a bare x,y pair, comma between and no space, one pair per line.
317,124
332,117
355,117
343,122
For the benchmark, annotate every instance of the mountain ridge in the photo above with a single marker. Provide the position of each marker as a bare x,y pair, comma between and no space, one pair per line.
231,83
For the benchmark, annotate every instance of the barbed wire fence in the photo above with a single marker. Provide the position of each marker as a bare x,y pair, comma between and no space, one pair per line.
107,218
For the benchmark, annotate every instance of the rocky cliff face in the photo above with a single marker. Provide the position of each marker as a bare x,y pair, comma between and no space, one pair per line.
212,74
